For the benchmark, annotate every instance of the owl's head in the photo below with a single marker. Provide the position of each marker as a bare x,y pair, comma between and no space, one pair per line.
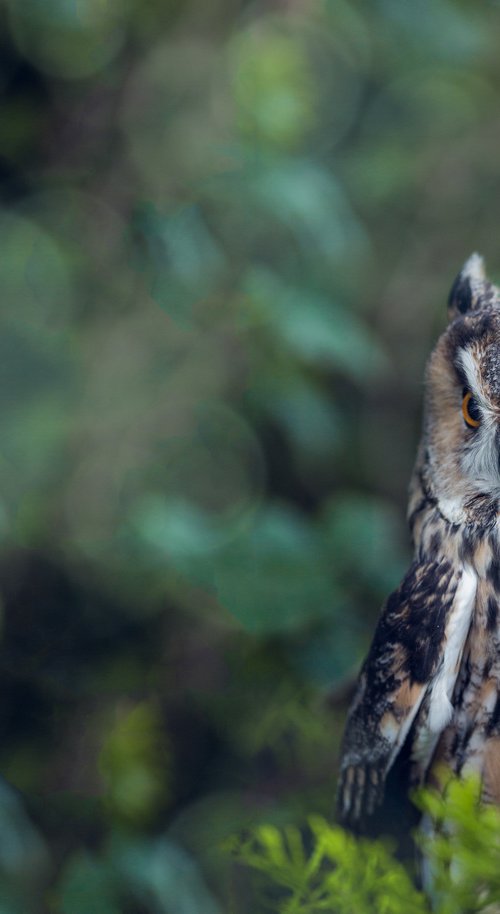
462,407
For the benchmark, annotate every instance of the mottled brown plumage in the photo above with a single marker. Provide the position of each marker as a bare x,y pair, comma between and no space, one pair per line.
432,676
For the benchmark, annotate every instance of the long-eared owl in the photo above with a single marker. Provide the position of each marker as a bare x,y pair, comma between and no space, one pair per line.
431,681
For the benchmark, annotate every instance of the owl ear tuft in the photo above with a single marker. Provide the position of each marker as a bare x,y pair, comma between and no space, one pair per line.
471,289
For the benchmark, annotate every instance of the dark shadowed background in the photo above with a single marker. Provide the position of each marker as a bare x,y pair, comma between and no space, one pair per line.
227,234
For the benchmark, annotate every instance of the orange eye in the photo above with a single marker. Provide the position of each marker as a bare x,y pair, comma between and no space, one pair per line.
470,411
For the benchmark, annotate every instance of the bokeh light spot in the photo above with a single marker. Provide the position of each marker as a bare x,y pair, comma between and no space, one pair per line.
35,281
69,38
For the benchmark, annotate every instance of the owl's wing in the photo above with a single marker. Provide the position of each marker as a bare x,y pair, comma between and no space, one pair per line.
405,659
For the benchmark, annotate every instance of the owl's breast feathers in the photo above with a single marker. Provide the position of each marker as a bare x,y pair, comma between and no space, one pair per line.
432,672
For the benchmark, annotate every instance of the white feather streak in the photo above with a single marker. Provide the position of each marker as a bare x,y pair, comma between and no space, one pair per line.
440,707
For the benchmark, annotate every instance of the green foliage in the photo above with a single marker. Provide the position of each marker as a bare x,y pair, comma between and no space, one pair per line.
339,874
463,848
327,869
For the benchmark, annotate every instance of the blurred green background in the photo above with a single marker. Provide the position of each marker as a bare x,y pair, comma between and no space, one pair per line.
227,233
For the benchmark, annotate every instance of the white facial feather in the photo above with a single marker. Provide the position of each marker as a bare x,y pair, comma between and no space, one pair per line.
469,366
480,461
